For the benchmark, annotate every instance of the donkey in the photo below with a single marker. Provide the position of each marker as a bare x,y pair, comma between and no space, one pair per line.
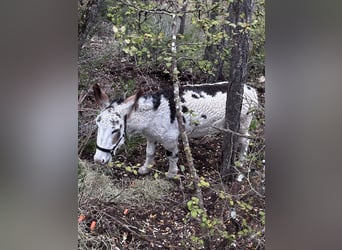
154,117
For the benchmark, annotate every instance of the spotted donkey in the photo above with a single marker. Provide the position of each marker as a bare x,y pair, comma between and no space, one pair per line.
154,116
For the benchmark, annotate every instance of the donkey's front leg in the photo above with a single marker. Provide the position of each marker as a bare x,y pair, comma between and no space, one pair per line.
150,149
172,155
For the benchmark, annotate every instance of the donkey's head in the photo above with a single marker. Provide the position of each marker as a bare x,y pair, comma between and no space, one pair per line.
111,127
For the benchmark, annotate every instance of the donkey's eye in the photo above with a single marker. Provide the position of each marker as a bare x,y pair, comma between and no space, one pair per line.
115,131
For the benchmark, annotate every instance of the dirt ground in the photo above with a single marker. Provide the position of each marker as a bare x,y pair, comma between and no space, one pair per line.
152,212
144,220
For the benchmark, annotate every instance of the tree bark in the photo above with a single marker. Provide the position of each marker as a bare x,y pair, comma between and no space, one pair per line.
212,51
87,20
239,11
183,18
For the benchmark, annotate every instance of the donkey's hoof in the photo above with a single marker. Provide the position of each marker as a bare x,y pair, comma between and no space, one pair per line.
171,175
143,170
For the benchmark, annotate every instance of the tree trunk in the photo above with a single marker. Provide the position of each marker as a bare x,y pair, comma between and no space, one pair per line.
87,20
212,51
239,11
183,18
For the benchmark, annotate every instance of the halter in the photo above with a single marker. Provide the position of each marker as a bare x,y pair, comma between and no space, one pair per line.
110,151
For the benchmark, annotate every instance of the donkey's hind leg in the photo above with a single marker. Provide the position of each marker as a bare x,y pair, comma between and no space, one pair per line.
172,155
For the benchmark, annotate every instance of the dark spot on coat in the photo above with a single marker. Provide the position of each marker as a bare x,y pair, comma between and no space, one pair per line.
209,89
248,87
204,116
110,108
114,122
184,121
117,101
156,101
184,109
98,119
169,96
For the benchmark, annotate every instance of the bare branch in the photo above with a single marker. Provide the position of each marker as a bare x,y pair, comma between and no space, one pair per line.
238,134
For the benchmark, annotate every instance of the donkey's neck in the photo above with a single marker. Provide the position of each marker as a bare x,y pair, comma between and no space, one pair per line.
139,114
124,108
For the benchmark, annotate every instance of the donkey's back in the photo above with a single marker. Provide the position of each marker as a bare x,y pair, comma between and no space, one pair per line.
204,106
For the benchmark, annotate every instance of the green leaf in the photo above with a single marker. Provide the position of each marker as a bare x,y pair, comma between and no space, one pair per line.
262,213
175,71
195,200
203,183
193,214
189,205
249,207
148,35
221,195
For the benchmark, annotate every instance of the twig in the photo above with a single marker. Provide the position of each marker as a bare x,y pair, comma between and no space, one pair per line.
238,134
85,141
157,10
83,96
249,182
250,185
187,149
129,227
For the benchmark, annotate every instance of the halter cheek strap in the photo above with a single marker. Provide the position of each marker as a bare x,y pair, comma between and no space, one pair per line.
110,151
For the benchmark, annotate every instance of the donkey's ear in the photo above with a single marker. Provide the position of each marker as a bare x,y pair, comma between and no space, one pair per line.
100,96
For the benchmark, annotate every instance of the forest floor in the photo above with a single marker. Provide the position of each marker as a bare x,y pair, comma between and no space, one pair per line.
151,212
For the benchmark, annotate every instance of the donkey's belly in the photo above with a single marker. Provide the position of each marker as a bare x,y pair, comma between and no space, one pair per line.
203,129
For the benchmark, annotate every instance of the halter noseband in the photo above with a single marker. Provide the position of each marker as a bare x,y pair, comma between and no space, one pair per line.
109,150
